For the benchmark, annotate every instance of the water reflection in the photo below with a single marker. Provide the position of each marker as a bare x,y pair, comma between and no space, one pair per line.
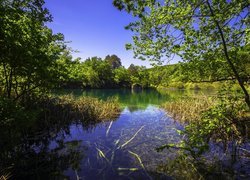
70,148
119,149
126,148
28,154
136,99
126,97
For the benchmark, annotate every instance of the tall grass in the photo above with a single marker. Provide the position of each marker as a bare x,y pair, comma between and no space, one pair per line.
188,109
88,109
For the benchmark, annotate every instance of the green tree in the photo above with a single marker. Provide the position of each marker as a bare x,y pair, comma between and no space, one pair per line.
114,61
202,30
98,73
121,77
28,48
70,72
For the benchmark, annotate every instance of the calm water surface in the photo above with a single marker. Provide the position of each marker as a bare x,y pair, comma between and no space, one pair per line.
124,148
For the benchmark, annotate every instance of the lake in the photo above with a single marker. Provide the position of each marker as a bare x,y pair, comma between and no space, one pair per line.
124,148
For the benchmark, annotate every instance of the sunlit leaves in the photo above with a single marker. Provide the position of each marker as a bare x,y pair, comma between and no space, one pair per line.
189,24
28,47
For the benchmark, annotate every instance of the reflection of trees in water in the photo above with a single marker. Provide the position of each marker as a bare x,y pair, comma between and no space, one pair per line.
133,108
38,150
140,99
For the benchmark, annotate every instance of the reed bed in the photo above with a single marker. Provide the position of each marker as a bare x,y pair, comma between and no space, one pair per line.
87,109
188,109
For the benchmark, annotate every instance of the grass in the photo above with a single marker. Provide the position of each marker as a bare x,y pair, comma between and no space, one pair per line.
5,174
221,121
188,109
201,85
86,109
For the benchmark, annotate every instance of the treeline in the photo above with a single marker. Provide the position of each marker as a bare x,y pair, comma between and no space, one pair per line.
207,73
98,73
109,73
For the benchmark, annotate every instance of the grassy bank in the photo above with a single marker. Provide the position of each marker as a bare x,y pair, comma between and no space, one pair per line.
224,119
200,85
39,121
63,108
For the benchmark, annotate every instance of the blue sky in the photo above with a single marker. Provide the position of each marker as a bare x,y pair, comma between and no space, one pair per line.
94,27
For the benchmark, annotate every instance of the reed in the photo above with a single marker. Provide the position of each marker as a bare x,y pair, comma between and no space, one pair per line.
188,109
87,109
5,174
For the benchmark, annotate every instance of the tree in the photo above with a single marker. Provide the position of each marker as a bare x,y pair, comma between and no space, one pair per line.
202,30
70,72
114,61
28,48
98,73
121,77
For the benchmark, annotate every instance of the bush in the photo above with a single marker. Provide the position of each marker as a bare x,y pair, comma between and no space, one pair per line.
218,120
11,112
177,85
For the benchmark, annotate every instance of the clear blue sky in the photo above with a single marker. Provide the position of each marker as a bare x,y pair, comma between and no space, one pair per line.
94,27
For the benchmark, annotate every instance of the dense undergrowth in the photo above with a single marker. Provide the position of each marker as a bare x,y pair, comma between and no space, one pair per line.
198,85
213,124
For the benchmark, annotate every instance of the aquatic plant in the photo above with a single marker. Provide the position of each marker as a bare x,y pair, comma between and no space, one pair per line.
188,109
181,167
86,109
5,174
210,122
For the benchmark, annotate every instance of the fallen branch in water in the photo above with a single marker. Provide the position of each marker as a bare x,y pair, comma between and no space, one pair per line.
101,154
140,161
107,132
137,157
127,169
132,137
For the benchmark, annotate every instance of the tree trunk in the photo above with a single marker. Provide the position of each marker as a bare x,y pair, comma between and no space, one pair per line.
237,76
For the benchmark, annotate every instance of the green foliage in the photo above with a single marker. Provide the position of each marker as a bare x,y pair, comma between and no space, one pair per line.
28,47
215,121
122,77
114,61
210,33
97,73
11,112
186,28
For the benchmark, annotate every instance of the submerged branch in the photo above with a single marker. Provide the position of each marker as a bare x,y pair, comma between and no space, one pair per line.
107,132
132,137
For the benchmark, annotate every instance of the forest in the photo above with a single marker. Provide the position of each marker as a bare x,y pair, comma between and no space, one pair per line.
36,64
